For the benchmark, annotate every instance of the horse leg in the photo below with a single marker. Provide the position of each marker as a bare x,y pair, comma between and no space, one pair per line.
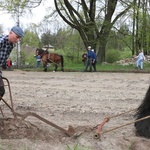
56,67
45,67
62,63
62,68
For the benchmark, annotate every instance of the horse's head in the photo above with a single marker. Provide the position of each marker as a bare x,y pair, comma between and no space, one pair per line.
40,51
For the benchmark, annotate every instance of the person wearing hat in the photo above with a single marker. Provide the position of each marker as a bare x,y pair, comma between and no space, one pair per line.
6,45
89,60
38,59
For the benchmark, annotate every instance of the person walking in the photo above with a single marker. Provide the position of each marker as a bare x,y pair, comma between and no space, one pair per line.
140,58
89,59
6,46
94,61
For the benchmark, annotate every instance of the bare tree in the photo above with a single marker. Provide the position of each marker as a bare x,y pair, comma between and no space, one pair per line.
92,19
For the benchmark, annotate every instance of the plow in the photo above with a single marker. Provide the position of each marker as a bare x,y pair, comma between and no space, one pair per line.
70,131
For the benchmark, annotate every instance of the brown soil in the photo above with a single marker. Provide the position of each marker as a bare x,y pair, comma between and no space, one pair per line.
77,99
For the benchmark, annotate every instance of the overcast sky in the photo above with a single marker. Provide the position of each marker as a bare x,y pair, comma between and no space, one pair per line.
7,21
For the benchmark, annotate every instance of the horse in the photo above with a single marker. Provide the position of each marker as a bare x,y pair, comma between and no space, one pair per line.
54,58
143,126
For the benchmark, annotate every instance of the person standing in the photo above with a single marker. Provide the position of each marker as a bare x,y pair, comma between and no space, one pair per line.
94,61
6,46
140,58
89,59
38,59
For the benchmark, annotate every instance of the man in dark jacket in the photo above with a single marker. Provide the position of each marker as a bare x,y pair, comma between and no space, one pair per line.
89,59
94,60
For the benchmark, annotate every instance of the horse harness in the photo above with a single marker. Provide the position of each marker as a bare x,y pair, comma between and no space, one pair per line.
48,59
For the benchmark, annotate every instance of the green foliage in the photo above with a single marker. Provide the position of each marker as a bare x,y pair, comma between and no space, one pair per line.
122,40
30,39
71,55
47,38
58,40
31,60
126,53
23,57
115,55
112,56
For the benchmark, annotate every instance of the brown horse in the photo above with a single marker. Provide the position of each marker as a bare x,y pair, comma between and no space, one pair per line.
54,58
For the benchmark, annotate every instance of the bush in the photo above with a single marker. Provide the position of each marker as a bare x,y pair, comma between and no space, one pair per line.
112,56
126,53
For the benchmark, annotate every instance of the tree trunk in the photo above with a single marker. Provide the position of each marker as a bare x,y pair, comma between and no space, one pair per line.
102,44
133,28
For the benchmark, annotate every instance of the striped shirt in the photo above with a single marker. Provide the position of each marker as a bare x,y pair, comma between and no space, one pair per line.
5,49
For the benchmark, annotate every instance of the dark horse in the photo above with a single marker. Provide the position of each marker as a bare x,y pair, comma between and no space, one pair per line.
143,127
54,58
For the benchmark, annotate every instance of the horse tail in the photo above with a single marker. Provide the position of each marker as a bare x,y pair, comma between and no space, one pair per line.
62,62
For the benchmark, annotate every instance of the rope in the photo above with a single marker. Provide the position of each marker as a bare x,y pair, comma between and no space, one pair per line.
125,124
113,116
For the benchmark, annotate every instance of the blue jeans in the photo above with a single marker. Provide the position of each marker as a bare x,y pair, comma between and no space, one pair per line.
139,63
89,65
38,64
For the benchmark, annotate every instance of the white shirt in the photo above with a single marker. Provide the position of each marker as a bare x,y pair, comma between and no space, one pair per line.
141,56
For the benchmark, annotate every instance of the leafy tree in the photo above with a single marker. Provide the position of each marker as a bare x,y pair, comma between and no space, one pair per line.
49,38
57,40
122,38
23,57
